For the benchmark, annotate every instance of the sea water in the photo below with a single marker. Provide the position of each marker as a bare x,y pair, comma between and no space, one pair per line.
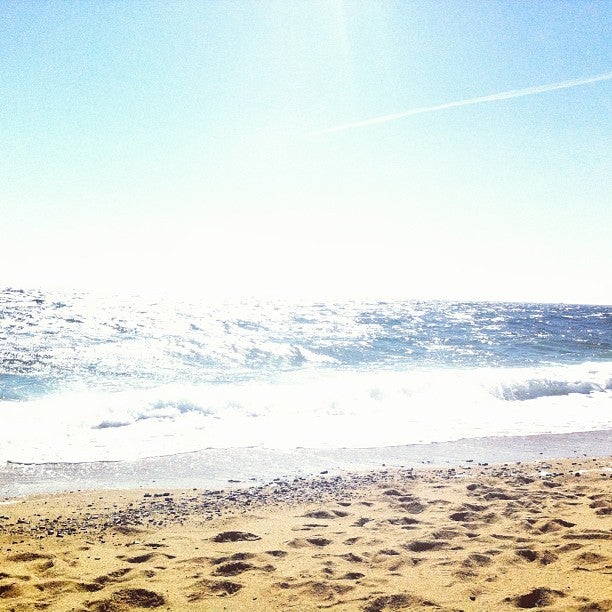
86,377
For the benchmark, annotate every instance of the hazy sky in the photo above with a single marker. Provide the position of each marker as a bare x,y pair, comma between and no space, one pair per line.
382,149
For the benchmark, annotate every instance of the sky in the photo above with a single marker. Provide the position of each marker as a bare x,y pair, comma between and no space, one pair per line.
447,150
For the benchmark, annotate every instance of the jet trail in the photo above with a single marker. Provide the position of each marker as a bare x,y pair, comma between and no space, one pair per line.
504,95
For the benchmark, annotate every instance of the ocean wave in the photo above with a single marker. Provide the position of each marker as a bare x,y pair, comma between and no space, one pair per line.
547,387
333,409
532,384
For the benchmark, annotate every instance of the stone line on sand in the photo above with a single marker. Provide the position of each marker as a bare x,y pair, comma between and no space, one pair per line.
475,537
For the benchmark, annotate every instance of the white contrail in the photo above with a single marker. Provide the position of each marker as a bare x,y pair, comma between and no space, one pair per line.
504,95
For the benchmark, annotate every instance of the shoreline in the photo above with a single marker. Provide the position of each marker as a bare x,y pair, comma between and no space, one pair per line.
240,467
503,536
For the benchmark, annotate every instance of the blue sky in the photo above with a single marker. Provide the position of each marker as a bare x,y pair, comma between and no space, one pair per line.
177,145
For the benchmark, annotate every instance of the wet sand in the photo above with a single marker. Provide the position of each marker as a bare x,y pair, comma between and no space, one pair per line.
508,536
217,467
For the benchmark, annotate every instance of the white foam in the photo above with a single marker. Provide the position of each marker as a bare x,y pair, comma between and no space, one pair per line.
329,409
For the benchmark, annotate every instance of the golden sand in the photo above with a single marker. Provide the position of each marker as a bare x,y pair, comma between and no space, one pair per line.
502,537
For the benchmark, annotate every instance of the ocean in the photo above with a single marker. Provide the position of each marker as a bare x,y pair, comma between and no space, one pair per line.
87,378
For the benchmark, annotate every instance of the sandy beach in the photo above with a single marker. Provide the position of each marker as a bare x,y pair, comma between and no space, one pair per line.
472,537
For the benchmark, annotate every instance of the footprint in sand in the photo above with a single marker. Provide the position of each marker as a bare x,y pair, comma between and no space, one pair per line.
570,547
114,576
499,494
310,527
28,556
138,558
145,557
237,563
326,514
390,552
477,560
328,568
463,517
219,588
554,526
318,590
352,558
397,602
315,541
235,536
544,558
394,493
239,556
471,513
538,598
405,522
360,522
591,557
594,560
413,507
9,591
43,563
233,568
319,541
425,546
352,576
602,507
445,534
277,553
527,554
589,534
138,598
55,587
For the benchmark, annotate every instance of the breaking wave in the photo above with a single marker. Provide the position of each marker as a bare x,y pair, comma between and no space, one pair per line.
298,409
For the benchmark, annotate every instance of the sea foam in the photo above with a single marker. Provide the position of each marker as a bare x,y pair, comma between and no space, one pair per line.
333,409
